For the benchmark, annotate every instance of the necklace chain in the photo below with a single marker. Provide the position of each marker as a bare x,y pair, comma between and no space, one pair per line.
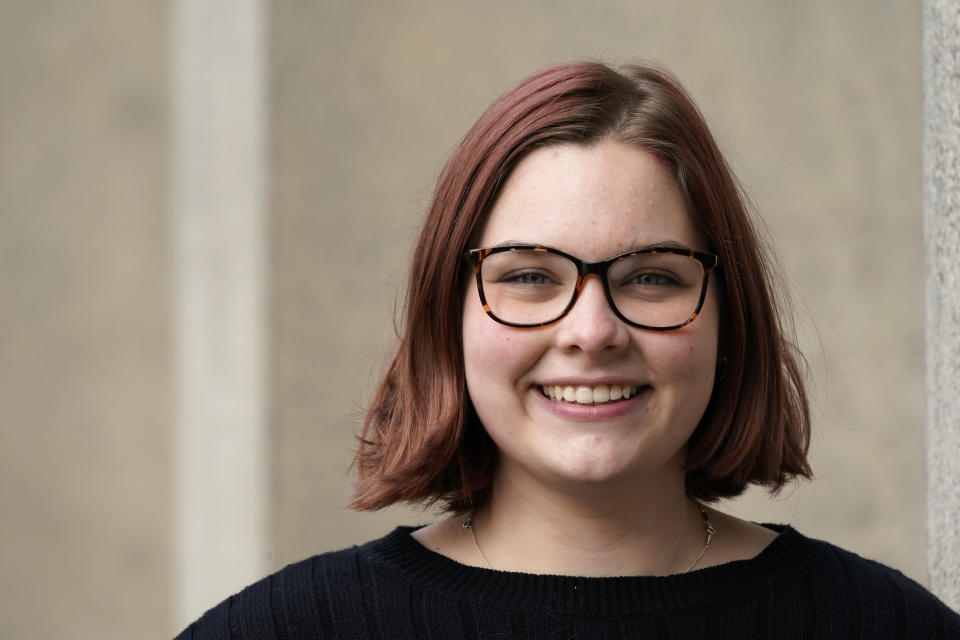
707,529
468,524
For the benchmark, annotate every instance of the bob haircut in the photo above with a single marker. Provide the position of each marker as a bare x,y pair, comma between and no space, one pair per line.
421,440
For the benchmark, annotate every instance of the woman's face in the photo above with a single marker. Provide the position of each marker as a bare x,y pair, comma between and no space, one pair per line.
593,202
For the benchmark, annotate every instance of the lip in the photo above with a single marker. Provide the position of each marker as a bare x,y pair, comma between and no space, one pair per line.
591,382
591,412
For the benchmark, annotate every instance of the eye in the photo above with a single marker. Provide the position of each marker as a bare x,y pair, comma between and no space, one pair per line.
653,279
527,278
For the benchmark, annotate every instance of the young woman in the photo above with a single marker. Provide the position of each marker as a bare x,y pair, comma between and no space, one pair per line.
592,354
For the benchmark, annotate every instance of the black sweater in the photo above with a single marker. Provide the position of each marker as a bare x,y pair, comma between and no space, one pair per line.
395,588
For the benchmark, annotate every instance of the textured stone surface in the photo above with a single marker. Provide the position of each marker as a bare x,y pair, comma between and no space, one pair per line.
941,143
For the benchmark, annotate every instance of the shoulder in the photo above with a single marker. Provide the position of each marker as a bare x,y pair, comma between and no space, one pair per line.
303,599
875,595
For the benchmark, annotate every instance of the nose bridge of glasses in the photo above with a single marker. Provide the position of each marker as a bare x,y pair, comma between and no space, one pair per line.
582,281
597,269
585,269
591,321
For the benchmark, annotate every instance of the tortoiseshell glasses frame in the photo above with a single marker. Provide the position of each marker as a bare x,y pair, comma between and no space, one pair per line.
706,261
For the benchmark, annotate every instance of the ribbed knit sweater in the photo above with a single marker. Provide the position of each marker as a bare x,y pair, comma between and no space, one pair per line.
396,588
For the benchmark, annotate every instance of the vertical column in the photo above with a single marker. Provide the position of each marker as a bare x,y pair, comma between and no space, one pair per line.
218,116
941,145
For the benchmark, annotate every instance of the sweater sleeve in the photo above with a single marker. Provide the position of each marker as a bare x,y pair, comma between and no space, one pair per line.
247,615
285,605
878,597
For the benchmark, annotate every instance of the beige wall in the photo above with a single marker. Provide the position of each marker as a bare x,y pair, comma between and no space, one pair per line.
84,330
817,104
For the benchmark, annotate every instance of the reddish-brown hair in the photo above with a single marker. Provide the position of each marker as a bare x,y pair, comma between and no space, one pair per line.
421,440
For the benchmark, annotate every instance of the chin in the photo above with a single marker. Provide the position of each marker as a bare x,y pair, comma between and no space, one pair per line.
613,463
596,466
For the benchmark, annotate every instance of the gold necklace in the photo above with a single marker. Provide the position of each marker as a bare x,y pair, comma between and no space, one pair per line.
707,529
468,524
708,532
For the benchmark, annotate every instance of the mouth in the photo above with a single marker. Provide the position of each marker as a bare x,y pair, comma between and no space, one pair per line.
597,394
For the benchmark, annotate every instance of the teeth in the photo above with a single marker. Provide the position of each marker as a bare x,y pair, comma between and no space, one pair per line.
589,395
601,393
584,395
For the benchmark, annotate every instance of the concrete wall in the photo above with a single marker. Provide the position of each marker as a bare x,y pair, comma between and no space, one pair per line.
941,147
84,320
817,104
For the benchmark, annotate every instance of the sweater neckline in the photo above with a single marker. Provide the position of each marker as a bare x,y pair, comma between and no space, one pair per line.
789,556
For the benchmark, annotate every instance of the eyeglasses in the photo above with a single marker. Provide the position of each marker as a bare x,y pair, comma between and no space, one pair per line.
526,285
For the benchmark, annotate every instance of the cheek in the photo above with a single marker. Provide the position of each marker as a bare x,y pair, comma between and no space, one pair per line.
688,358
480,346
490,352
683,359
494,355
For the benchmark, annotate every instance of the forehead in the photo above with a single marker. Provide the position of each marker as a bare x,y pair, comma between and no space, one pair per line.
592,201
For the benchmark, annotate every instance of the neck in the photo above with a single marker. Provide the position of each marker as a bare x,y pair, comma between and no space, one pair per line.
608,531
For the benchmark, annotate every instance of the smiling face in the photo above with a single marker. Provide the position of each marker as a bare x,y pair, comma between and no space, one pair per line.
593,202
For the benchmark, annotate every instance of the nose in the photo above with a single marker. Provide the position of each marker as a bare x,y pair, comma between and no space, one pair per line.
591,325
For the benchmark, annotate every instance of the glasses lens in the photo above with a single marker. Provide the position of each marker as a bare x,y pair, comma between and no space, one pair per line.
656,289
523,286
